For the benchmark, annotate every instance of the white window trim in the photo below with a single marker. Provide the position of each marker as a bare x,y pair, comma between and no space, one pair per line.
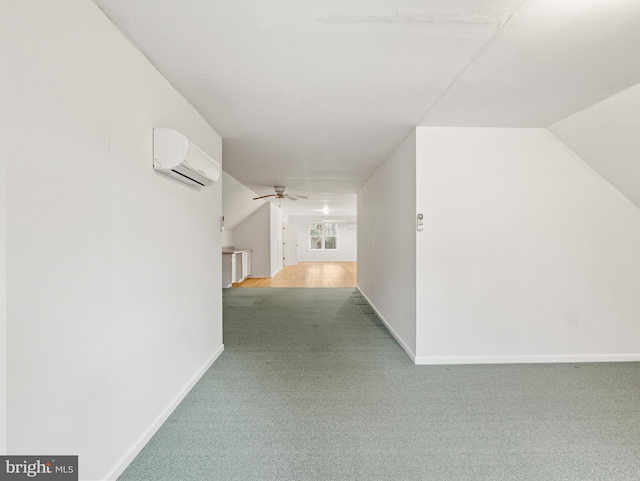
337,236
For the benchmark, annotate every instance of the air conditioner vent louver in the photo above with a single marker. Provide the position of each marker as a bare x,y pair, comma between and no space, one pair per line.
187,177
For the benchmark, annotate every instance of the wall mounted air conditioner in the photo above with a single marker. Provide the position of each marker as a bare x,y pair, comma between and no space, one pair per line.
176,157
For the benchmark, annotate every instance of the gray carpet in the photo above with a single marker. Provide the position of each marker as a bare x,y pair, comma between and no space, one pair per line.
311,386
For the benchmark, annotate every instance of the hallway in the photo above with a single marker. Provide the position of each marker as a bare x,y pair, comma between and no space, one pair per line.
311,386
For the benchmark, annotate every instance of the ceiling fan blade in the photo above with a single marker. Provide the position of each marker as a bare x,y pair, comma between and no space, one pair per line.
302,196
290,197
264,196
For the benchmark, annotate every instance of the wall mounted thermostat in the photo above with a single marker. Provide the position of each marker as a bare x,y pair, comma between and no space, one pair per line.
420,223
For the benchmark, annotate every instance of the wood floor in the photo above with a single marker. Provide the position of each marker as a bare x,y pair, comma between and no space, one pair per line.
309,274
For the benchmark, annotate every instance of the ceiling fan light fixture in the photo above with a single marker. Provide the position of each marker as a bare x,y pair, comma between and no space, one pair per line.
281,193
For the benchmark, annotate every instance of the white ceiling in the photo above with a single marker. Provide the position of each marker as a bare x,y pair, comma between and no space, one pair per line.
315,94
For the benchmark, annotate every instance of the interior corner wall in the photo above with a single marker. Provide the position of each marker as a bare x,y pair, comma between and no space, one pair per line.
387,243
254,233
113,272
605,136
527,254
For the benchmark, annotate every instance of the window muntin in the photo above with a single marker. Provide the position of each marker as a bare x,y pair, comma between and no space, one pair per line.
323,236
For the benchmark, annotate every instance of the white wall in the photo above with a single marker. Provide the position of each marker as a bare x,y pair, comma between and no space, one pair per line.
110,317
606,137
253,233
527,253
347,239
227,238
237,201
262,232
278,217
387,242
3,240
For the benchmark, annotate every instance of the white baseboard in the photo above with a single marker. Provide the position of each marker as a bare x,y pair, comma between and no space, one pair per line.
393,333
560,358
438,360
140,443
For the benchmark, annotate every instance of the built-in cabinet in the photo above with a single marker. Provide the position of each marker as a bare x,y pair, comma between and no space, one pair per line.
236,266
244,270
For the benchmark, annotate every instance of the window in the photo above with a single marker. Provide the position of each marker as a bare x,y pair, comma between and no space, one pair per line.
323,236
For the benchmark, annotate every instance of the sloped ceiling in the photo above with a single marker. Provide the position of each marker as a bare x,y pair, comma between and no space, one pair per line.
315,94
605,136
552,59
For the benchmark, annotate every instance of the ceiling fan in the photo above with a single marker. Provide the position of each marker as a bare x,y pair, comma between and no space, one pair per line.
281,193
